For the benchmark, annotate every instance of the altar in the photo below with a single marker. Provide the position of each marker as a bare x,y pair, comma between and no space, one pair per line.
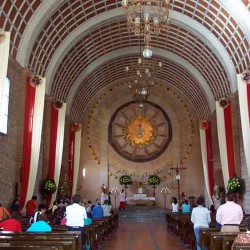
140,199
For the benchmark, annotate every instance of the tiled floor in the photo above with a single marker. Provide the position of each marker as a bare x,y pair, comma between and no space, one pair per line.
142,236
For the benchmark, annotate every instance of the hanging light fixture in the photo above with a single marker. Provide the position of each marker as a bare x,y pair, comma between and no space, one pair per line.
147,17
142,73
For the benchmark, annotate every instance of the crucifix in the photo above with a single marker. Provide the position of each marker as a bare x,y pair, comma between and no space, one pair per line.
177,170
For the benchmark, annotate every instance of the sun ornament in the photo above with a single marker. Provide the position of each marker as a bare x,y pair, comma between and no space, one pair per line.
140,131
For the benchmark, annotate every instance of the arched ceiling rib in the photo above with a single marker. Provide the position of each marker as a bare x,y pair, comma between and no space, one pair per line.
114,36
164,55
114,71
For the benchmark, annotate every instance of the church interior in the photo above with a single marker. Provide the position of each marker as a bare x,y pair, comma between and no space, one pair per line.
96,93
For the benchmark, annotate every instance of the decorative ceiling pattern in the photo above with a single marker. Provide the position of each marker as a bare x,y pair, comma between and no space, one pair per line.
114,36
70,15
140,134
114,72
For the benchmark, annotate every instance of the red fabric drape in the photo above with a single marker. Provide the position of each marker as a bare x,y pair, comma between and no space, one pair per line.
53,140
27,140
248,100
71,157
209,157
229,141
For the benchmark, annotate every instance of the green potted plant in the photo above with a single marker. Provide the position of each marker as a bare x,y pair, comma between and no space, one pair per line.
125,180
48,186
154,180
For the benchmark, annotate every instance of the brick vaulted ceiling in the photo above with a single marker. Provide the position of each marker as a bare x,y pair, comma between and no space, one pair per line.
81,46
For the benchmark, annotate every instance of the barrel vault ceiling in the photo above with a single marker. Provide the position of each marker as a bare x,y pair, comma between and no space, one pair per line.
81,46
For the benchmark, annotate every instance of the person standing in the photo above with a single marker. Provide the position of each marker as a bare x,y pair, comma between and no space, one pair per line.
229,215
31,206
75,215
201,218
15,206
122,198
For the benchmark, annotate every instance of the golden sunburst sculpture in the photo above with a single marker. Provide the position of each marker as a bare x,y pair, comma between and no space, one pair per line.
139,131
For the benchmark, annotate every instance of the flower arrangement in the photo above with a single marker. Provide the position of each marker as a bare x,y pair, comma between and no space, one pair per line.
36,80
154,180
246,76
125,180
234,184
2,35
224,103
58,104
48,186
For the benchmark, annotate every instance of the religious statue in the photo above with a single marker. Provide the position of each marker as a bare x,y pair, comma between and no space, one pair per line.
104,195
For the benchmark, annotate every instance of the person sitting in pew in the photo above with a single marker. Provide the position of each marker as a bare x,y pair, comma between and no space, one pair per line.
229,215
42,209
106,209
201,218
174,205
97,212
40,226
12,224
186,207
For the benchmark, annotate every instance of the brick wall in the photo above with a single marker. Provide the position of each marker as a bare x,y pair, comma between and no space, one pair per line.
11,144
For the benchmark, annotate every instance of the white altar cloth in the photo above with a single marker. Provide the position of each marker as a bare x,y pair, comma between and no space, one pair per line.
140,196
141,200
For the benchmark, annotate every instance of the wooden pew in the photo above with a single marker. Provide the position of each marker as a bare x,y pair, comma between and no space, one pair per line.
74,237
7,246
217,239
241,248
64,244
206,232
205,236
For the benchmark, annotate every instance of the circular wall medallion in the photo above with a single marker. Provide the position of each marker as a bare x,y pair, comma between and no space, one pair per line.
140,134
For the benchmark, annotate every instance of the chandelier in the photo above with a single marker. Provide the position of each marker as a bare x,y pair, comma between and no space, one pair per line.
142,74
147,17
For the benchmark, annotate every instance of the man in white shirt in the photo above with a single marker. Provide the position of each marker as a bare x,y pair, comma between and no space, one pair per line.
201,218
229,215
75,215
106,209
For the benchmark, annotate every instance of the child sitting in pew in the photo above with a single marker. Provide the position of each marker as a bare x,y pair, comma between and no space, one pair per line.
41,225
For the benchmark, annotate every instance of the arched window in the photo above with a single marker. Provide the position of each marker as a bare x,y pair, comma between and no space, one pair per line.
5,106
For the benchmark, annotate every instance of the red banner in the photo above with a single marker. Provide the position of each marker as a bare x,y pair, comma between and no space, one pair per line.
71,157
229,140
27,139
209,157
53,138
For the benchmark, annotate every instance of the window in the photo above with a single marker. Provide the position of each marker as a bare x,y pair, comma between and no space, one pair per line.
5,105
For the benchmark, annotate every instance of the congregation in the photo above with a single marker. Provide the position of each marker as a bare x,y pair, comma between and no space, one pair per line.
78,214
72,215
228,217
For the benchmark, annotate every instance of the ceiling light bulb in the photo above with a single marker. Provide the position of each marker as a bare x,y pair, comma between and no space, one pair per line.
147,53
141,105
